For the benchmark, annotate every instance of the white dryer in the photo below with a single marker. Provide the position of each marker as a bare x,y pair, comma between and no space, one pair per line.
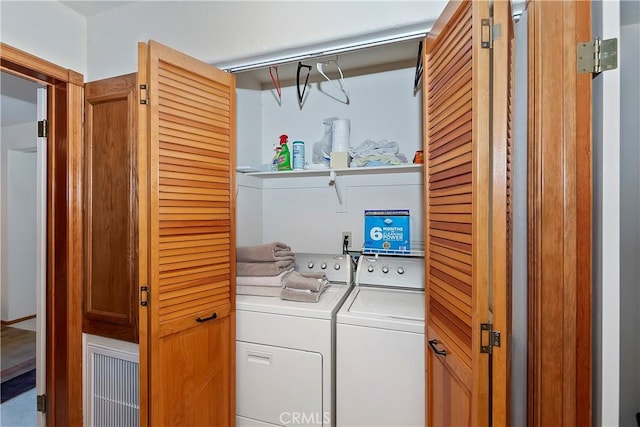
380,345
285,351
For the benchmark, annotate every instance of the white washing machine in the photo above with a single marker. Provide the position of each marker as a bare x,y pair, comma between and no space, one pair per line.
285,351
380,346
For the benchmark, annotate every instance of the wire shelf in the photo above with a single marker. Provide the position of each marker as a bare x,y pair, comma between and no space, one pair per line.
418,250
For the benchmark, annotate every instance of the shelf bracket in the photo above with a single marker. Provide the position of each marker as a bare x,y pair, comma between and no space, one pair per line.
341,206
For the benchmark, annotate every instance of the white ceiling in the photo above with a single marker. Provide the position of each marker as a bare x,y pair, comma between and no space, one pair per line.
89,8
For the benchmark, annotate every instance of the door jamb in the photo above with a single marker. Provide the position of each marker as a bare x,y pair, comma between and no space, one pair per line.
64,231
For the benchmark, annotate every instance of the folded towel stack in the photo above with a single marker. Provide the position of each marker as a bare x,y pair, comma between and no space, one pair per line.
261,270
304,287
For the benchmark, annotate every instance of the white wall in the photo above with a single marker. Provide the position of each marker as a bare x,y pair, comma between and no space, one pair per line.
216,31
303,211
46,29
248,192
381,106
18,227
629,223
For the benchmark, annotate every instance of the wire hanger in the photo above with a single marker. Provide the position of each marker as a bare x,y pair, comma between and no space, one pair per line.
301,93
340,84
419,70
276,82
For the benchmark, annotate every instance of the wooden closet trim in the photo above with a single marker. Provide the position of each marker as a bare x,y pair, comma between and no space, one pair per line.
560,210
64,231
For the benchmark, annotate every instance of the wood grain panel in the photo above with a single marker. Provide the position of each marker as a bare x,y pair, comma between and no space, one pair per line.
111,212
456,183
447,388
202,401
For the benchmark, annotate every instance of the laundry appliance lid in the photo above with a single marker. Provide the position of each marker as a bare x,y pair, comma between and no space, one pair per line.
329,303
396,309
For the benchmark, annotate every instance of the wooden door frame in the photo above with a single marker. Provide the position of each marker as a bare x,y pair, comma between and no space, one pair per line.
560,212
64,231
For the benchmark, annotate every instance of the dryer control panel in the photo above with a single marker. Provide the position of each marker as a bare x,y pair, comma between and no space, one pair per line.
389,271
337,268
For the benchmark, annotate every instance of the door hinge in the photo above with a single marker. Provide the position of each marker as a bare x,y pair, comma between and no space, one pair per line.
597,56
493,337
144,94
489,33
144,296
41,403
43,129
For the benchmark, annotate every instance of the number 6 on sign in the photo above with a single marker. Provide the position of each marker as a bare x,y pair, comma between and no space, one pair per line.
375,233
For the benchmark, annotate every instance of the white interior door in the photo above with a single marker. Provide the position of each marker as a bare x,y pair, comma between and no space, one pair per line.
41,254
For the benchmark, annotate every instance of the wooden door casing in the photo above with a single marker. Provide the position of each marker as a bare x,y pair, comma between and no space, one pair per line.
111,212
64,230
456,107
560,184
188,340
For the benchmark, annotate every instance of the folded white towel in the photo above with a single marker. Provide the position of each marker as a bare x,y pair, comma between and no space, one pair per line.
261,291
275,251
296,280
302,295
263,280
263,268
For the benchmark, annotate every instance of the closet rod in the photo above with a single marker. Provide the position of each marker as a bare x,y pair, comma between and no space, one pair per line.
278,60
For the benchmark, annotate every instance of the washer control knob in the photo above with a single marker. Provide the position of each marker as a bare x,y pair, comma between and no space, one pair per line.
385,269
337,266
400,270
310,265
370,269
323,265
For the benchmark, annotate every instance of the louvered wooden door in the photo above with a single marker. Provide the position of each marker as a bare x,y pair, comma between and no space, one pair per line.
502,78
457,173
188,339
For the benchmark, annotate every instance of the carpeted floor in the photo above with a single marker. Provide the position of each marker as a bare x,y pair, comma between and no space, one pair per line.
20,411
17,385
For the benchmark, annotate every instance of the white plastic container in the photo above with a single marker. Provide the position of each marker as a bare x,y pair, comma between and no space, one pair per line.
298,155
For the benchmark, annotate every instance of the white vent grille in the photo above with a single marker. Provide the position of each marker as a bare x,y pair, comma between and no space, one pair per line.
113,387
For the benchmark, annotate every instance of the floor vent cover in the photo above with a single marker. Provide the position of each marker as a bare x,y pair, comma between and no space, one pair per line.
113,387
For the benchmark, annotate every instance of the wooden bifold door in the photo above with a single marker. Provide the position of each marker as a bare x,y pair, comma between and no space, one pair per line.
467,238
187,237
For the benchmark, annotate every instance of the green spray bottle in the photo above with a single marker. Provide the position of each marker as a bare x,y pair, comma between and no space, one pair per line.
284,159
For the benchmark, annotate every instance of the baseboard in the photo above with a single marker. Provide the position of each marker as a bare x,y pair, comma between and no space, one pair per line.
22,319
